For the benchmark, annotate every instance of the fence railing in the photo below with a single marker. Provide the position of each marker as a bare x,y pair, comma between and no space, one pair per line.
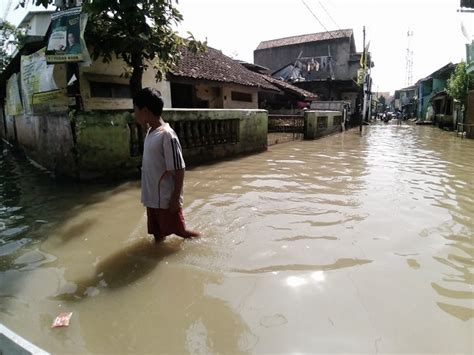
284,128
193,134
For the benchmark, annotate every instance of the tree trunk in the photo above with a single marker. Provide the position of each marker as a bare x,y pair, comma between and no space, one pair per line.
137,74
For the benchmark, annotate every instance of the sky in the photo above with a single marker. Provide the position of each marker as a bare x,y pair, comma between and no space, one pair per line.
237,27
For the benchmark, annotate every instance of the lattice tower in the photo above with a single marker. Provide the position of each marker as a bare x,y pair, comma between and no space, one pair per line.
409,60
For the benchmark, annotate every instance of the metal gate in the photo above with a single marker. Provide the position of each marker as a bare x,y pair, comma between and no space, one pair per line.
285,128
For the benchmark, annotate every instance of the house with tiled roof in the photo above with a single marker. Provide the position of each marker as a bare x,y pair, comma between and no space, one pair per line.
210,79
324,63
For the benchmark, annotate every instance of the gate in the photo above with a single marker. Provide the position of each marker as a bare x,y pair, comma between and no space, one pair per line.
285,128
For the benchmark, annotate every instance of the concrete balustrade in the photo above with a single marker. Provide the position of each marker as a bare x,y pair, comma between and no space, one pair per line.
321,123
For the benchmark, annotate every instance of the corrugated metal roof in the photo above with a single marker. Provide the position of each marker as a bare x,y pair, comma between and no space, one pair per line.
314,37
213,65
283,85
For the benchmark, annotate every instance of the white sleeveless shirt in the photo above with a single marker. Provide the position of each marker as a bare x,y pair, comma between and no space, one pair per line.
162,156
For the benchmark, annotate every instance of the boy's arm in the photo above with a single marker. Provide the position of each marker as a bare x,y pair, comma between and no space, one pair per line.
178,186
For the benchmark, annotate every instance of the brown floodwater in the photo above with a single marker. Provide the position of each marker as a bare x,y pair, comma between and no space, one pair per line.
343,244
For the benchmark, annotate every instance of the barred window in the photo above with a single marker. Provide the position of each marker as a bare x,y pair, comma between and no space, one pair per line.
119,91
241,96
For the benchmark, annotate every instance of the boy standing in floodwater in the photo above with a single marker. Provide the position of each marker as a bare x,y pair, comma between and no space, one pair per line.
162,169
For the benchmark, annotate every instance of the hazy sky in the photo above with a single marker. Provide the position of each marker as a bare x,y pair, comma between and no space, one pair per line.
237,27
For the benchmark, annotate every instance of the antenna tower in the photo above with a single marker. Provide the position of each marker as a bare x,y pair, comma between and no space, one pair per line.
409,60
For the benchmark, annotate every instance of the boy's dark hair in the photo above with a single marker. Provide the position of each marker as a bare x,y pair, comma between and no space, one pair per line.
151,99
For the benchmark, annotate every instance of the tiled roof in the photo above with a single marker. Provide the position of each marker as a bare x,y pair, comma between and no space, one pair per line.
283,85
212,65
314,37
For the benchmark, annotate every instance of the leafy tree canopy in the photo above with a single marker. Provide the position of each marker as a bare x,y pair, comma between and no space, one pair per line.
9,36
138,31
458,83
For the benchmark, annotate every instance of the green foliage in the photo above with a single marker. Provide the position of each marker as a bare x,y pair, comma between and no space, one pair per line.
138,31
382,99
9,35
458,83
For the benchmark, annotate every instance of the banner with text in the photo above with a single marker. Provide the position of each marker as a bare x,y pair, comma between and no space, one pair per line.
36,76
66,42
13,99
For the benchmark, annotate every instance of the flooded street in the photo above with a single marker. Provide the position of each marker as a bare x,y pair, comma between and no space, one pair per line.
343,244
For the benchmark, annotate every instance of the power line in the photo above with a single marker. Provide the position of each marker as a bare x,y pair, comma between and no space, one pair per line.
326,11
327,31
316,17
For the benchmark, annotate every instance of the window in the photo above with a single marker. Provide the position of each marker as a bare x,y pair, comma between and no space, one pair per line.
241,96
119,91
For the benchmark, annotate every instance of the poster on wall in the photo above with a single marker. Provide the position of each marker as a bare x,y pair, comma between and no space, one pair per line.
66,42
50,101
13,100
36,76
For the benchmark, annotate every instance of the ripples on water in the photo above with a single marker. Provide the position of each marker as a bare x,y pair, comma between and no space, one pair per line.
31,204
386,219
19,205
410,186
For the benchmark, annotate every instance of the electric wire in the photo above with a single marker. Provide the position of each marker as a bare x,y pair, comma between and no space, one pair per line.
329,15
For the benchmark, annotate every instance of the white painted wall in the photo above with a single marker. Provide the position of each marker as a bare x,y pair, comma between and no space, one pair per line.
229,103
113,72
39,24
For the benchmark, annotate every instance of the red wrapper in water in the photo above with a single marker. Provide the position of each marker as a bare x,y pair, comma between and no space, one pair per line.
62,320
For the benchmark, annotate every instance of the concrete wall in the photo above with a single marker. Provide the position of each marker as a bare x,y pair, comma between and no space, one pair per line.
438,85
48,140
39,24
108,143
103,144
321,123
445,121
228,103
211,94
469,115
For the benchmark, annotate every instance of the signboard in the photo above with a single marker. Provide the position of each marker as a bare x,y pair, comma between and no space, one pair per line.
360,76
50,101
36,76
13,99
66,42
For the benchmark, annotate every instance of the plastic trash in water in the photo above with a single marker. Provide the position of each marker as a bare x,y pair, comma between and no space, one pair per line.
62,320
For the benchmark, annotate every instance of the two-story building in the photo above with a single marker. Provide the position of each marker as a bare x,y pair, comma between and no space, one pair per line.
324,63
405,100
433,103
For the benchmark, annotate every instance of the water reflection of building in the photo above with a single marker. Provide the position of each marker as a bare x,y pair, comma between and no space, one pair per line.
454,286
